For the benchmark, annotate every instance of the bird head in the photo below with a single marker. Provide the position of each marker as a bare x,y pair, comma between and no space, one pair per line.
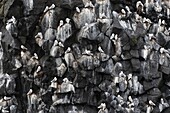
78,10
38,69
102,106
130,76
65,80
0,35
23,47
123,11
39,35
162,50
35,56
151,103
61,22
67,20
54,80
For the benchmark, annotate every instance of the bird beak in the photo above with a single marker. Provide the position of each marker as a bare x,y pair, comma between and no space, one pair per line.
99,106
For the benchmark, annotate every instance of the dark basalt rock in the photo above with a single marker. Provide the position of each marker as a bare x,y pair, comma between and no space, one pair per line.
154,94
79,56
152,83
126,55
127,66
5,6
125,40
107,46
135,64
140,30
70,4
165,69
134,53
162,39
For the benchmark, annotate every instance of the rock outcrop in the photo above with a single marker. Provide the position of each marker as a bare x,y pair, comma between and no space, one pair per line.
84,56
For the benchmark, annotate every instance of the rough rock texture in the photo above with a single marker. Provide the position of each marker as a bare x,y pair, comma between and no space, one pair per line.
84,56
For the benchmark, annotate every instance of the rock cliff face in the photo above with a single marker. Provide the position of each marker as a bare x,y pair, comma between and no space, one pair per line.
84,56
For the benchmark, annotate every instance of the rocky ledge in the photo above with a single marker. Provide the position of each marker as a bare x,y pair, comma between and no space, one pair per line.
84,56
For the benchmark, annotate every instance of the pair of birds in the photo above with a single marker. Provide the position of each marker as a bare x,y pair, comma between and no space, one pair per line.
49,8
88,52
103,108
67,86
151,104
87,4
